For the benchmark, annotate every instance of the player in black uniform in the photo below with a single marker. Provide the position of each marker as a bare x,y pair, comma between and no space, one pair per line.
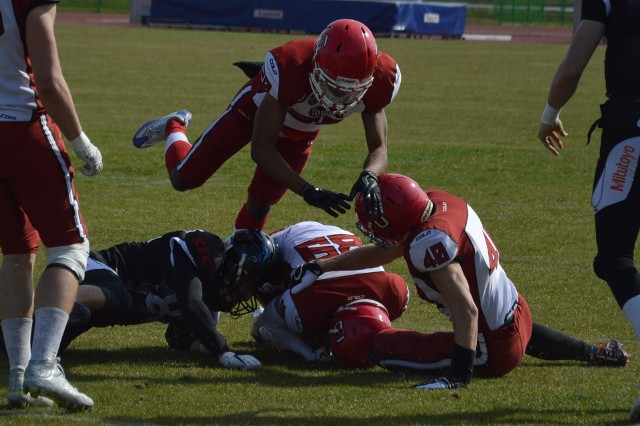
616,189
182,277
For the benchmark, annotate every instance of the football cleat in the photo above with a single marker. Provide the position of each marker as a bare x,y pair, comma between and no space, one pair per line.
152,132
46,377
610,354
18,398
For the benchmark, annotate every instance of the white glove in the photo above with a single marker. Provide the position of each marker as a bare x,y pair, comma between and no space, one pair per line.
241,362
88,153
322,355
303,276
441,383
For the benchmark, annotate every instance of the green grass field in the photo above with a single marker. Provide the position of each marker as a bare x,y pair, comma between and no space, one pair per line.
465,120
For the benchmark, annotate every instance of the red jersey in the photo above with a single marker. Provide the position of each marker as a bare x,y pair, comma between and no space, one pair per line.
455,232
291,64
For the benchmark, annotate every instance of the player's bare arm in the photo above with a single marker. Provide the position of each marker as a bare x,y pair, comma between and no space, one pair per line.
565,82
367,256
52,87
453,286
375,130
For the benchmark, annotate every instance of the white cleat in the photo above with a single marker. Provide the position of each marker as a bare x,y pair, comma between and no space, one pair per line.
47,378
18,398
152,132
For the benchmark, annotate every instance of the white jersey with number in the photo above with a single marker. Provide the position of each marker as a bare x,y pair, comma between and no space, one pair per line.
307,241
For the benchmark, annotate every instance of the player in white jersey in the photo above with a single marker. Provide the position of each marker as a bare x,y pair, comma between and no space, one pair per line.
38,203
300,322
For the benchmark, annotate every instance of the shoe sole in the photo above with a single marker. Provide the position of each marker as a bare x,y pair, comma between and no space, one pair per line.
26,401
145,142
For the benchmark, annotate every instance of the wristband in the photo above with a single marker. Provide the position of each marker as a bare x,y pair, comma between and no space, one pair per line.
304,188
550,114
462,364
81,140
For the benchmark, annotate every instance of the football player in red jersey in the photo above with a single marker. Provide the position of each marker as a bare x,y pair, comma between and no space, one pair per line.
454,264
303,85
38,204
301,322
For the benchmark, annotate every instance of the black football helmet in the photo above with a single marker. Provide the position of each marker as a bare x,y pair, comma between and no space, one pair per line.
252,268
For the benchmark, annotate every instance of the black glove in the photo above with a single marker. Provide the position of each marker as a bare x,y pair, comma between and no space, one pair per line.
331,202
367,184
441,383
178,336
303,276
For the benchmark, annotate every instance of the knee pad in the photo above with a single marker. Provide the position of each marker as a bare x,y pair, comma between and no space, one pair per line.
73,257
621,275
610,268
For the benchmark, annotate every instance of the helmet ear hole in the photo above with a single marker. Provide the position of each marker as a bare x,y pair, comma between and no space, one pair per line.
351,331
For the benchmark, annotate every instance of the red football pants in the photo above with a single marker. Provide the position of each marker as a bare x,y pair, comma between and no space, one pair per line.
498,352
37,196
227,135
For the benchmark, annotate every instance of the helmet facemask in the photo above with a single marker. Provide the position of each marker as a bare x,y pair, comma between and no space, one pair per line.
379,241
253,265
238,290
404,209
344,61
340,94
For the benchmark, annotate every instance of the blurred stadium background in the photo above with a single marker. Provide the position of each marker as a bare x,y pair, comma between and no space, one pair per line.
489,12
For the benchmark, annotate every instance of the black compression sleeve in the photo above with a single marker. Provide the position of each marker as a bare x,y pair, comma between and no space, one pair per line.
462,365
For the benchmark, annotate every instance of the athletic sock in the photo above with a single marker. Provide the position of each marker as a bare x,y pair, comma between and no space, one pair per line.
631,310
245,221
47,333
174,126
176,150
550,344
17,340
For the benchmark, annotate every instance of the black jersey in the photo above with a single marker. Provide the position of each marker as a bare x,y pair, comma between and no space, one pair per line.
622,58
175,277
149,267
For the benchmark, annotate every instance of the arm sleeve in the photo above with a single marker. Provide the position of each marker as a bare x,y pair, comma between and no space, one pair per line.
282,335
594,10
194,311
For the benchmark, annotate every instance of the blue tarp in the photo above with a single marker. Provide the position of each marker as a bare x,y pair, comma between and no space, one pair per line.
312,16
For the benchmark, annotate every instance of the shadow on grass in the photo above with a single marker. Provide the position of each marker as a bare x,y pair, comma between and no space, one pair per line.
289,417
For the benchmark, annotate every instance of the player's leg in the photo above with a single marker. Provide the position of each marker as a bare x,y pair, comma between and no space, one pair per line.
19,242
616,201
264,191
399,349
549,344
50,201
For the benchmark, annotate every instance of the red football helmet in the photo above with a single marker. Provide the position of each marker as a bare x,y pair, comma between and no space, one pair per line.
352,329
345,57
405,205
